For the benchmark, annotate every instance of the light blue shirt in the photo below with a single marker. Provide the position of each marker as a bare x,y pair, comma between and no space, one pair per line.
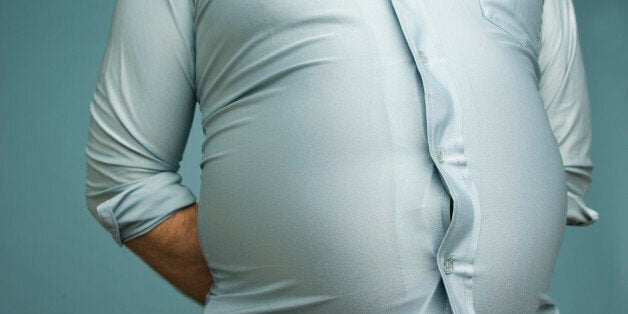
337,135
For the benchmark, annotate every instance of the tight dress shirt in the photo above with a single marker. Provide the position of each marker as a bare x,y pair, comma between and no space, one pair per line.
338,135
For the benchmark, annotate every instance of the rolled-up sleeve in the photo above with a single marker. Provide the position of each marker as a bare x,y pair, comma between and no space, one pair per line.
563,87
141,114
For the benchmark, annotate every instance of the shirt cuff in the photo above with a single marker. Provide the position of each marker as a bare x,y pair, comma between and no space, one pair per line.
141,205
578,214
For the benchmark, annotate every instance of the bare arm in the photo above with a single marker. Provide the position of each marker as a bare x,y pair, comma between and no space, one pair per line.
172,249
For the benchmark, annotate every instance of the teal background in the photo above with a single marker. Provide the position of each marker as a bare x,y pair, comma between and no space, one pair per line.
55,258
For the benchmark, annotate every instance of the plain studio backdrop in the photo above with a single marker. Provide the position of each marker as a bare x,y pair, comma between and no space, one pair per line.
55,258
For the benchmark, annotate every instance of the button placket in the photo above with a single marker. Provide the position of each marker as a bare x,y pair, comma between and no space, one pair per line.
443,126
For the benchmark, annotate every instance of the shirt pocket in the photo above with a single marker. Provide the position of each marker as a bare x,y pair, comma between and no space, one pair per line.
521,19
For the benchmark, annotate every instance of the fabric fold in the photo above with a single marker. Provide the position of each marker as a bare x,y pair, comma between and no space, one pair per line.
141,205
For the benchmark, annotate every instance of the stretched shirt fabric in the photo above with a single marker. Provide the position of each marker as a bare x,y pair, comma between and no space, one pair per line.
337,135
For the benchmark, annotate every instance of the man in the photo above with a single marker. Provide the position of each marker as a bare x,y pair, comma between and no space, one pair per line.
338,137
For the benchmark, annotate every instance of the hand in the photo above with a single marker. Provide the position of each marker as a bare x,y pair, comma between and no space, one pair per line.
173,250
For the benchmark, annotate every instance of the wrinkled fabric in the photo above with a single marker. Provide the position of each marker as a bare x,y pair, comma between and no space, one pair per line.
338,136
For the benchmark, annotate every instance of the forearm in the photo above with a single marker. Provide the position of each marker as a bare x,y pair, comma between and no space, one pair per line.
173,250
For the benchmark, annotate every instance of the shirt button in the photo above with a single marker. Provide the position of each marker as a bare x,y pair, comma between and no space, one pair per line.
440,155
423,57
449,264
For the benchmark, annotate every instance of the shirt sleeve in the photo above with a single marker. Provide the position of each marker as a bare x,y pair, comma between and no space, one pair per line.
563,88
141,114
